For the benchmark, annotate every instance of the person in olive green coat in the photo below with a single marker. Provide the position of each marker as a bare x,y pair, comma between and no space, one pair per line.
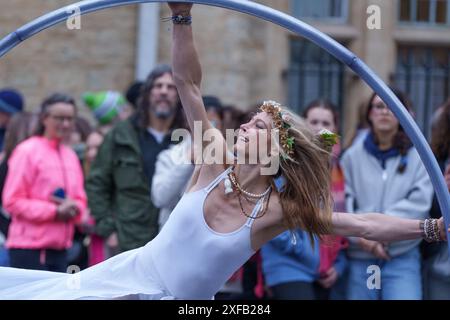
119,182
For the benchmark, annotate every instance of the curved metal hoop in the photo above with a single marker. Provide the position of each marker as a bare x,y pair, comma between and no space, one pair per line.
290,23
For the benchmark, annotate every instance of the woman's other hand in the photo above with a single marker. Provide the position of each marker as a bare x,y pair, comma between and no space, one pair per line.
374,247
112,241
329,278
67,210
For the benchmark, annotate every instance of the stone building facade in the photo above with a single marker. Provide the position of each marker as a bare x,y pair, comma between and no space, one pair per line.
100,55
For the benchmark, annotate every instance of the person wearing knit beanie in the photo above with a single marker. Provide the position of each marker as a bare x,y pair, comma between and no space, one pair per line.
106,105
11,101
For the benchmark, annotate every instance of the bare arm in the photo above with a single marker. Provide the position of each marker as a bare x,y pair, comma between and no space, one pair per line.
379,227
187,71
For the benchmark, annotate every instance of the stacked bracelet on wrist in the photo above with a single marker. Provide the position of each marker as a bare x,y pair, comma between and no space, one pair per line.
431,230
180,19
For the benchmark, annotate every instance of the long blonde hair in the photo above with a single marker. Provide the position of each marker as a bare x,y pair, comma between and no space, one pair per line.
306,198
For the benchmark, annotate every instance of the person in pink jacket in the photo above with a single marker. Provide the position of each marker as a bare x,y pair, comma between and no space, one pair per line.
44,192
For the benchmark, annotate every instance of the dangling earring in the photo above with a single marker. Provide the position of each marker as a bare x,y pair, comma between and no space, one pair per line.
228,185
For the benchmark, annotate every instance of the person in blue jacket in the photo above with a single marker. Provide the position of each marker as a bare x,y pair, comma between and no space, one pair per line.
291,267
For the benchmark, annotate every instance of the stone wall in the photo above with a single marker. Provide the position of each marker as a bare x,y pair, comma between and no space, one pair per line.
242,57
99,56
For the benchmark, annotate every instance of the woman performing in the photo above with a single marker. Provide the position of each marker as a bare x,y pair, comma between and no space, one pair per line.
227,212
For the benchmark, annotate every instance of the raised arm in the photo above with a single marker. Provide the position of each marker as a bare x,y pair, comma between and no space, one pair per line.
187,71
380,227
187,74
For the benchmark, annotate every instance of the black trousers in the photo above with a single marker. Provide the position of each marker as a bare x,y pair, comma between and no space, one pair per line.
39,259
296,290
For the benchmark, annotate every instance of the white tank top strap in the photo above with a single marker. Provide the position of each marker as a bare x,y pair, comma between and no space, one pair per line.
217,180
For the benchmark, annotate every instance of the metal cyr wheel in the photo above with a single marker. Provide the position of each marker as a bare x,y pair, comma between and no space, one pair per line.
290,23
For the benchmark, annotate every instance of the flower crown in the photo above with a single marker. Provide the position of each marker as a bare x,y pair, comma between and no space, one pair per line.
280,121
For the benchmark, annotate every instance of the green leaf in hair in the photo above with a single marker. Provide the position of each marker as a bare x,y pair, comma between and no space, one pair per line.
290,142
329,138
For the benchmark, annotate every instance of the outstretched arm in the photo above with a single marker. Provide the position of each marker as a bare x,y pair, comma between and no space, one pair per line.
187,71
380,227
187,74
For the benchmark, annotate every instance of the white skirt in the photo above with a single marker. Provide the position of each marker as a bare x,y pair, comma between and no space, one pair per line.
125,276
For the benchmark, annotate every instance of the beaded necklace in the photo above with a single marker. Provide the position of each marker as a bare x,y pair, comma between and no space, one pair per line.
250,197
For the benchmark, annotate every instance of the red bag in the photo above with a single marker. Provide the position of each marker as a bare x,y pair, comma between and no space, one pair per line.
329,250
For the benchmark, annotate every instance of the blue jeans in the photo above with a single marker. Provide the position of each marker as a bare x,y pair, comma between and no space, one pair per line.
436,275
401,278
4,257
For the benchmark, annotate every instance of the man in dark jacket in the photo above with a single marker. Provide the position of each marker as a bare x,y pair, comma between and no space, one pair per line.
118,185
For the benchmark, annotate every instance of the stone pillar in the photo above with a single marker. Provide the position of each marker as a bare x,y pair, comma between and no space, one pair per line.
147,39
377,49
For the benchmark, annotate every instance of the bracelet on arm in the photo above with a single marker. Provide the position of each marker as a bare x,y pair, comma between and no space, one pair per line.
430,230
180,19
